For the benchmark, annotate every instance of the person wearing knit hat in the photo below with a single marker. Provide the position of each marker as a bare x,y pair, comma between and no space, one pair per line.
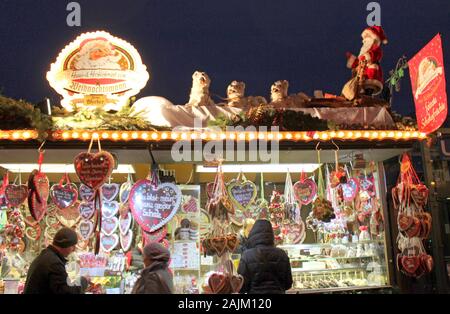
155,277
47,273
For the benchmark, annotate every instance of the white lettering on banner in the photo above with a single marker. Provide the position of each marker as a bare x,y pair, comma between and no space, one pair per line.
431,116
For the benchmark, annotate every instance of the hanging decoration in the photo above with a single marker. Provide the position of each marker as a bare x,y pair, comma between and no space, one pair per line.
15,194
305,190
293,227
242,192
64,195
322,208
414,224
38,190
220,205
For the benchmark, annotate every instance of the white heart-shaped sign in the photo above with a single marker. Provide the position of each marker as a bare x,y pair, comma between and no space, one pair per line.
86,193
126,240
108,242
125,223
85,229
109,225
87,210
110,191
110,209
153,207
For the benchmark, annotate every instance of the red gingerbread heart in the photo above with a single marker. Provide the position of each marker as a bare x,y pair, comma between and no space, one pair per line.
217,282
41,186
16,194
305,191
64,196
36,207
410,264
94,169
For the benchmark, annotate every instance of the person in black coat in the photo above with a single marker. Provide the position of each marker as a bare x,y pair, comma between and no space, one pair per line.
47,273
265,268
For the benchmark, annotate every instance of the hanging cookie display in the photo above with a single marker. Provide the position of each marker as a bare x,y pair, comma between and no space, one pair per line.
305,190
38,190
219,204
241,192
64,195
125,189
292,227
14,194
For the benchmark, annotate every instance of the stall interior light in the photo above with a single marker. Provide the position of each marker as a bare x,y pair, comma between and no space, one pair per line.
58,168
257,168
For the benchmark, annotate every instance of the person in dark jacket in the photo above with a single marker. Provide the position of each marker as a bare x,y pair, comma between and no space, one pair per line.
265,268
155,277
47,273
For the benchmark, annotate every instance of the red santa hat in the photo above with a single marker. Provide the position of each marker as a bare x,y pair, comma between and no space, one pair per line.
377,32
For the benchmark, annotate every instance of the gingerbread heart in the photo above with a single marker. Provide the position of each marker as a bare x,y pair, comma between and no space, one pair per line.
217,282
305,191
16,194
86,193
33,232
87,210
108,242
126,240
242,193
110,208
219,244
64,196
410,263
85,229
110,191
236,282
41,186
125,223
414,229
36,207
405,222
232,242
350,189
125,190
69,216
428,262
109,225
94,169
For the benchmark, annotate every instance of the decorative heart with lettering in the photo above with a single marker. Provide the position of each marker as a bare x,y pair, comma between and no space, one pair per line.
37,208
350,189
156,236
305,191
110,191
410,263
366,185
85,229
64,196
108,242
242,193
33,233
86,193
125,190
94,169
109,225
125,223
69,216
41,186
190,206
153,207
236,282
126,240
16,194
110,209
87,210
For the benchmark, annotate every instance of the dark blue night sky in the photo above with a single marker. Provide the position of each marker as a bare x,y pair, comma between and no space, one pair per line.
256,41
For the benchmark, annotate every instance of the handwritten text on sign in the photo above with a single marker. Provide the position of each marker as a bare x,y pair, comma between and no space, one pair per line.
242,193
426,70
154,207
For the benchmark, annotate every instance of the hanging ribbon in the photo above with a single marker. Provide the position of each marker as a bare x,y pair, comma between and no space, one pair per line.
320,182
262,187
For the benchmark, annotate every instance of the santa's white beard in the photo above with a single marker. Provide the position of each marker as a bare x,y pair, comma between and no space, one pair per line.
109,63
367,44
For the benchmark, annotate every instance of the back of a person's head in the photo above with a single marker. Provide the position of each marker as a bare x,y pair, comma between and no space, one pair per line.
261,234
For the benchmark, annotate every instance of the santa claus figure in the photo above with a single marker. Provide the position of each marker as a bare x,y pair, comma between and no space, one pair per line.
97,54
369,58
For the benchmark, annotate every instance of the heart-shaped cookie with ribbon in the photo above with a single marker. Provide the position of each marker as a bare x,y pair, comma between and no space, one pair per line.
305,191
232,242
110,191
126,240
125,223
410,263
86,193
350,189
217,282
64,196
69,216
110,225
94,169
41,187
153,207
242,193
236,282
87,210
110,208
85,229
36,207
405,222
219,245
108,242
16,194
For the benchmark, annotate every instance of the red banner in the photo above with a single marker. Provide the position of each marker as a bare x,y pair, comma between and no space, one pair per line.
426,70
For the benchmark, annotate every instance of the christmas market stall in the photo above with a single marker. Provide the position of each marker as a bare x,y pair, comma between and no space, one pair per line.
195,177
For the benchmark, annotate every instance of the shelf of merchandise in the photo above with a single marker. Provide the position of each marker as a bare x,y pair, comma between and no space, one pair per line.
322,245
329,258
336,289
301,270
